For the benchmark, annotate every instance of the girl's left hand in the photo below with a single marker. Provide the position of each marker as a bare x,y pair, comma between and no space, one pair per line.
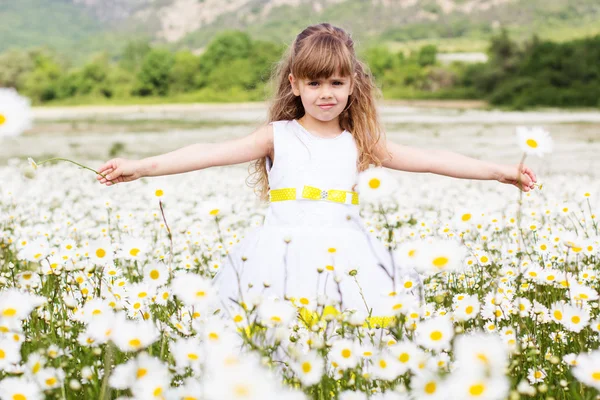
519,175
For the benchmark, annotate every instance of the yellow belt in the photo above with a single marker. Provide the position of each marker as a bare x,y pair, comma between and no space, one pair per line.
313,193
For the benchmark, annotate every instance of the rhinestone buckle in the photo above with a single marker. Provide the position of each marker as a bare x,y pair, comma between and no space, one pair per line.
324,194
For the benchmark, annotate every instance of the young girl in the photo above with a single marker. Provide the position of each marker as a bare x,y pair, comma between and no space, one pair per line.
323,129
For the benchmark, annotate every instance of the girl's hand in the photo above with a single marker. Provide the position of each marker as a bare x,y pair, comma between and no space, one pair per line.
519,175
119,170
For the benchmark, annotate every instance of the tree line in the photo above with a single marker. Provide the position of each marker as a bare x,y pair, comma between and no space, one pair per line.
234,67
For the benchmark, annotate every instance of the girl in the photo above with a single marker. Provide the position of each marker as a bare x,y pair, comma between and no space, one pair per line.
323,129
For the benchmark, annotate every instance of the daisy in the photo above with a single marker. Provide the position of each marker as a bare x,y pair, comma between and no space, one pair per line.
156,274
133,335
309,368
20,388
439,256
50,378
534,141
17,305
100,252
344,354
374,184
136,370
575,318
385,366
469,386
587,370
480,353
467,309
407,354
133,248
536,375
15,113
274,312
429,386
193,290
435,334
10,353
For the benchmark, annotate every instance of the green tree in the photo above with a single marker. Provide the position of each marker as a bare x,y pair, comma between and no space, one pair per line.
184,73
427,55
153,77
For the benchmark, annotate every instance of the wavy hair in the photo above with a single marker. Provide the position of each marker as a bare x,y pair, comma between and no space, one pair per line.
319,52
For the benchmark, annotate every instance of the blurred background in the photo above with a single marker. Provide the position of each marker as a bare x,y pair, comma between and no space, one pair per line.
446,57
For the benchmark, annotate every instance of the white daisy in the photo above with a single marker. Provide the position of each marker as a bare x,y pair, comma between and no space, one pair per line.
15,113
535,140
375,184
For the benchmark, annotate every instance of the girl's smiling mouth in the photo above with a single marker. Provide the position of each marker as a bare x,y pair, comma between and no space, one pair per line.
326,106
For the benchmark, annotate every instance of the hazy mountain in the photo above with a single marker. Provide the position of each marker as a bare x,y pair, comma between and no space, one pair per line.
85,26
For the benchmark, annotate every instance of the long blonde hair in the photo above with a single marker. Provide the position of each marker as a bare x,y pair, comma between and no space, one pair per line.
318,52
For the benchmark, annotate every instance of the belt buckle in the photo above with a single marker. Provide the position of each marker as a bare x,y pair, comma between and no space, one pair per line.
324,194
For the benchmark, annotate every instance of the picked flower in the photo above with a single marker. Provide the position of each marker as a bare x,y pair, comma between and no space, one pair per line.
535,141
15,113
375,184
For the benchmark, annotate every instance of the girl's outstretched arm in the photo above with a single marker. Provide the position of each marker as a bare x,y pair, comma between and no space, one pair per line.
190,158
441,162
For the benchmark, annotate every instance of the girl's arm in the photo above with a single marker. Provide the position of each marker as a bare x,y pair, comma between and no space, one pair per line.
190,158
441,162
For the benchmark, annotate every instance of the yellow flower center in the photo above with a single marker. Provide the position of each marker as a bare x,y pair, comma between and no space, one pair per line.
134,252
404,357
135,343
154,274
374,183
9,312
484,259
157,391
430,387
466,217
596,376
476,390
440,262
532,143
304,301
19,396
214,212
382,363
436,335
50,381
408,284
2,354
100,253
141,372
2,119
346,353
200,293
332,250
469,309
159,193
306,367
537,374
558,315
238,318
213,336
241,390
192,356
576,319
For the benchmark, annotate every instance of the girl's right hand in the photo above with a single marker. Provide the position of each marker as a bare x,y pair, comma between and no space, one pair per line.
119,170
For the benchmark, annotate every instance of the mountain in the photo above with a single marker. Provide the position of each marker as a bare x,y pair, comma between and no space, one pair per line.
87,26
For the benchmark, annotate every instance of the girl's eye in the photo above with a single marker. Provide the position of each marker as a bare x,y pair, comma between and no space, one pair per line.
313,83
338,83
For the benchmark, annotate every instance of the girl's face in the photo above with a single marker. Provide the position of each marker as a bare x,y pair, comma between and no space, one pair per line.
323,99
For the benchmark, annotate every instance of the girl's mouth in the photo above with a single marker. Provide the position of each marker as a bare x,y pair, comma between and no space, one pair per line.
326,106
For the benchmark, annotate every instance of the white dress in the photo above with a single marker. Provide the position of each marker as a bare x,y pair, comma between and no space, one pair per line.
305,244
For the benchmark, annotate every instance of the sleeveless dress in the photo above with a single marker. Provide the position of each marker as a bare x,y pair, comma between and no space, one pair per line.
311,248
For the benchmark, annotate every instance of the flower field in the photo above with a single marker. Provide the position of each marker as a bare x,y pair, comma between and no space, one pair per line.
106,293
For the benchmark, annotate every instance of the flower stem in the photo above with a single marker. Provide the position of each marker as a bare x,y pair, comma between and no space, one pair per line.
74,162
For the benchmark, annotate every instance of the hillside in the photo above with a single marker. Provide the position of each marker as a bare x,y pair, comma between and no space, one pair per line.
79,27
